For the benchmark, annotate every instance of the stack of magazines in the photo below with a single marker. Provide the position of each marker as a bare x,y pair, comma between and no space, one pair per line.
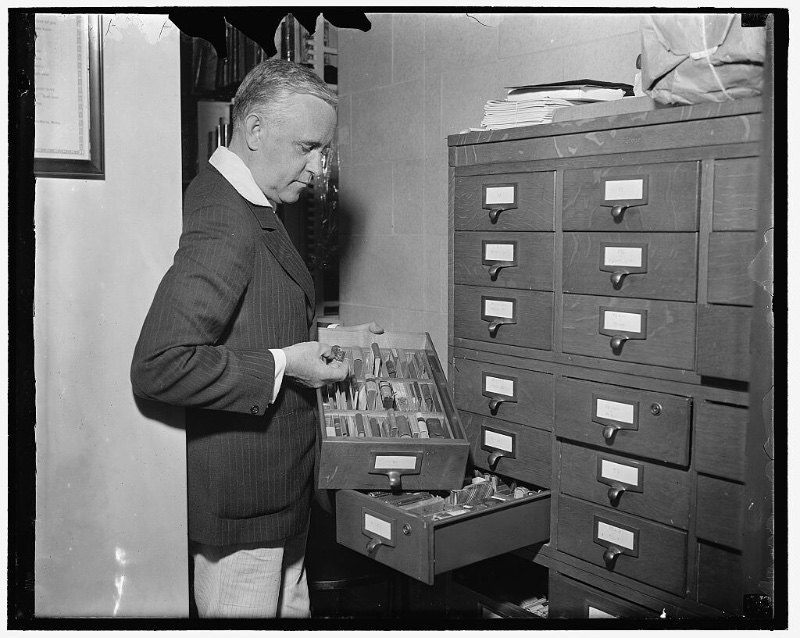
535,104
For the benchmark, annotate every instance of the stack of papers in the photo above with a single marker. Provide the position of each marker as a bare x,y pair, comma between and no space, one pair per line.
498,114
535,104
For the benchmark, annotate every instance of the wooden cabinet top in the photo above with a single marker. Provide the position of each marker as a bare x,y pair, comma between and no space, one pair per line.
662,115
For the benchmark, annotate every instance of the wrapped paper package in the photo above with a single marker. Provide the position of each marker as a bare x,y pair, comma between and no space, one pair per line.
690,58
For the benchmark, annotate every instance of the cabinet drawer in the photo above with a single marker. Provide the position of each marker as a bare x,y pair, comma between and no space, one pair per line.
510,394
570,599
504,315
646,265
735,193
729,256
508,260
723,342
654,197
720,511
421,549
720,433
510,201
636,487
719,578
652,425
513,450
647,552
660,333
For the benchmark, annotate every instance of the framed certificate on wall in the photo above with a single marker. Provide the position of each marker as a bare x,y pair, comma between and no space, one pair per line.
69,96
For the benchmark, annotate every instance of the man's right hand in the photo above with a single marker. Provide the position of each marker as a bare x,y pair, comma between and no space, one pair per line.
312,365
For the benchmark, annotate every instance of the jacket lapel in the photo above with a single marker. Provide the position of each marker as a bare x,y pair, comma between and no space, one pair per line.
280,245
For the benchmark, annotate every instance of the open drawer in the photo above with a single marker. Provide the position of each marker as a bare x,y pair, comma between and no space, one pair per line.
418,546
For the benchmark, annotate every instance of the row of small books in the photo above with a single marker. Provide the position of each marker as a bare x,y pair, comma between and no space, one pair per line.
535,104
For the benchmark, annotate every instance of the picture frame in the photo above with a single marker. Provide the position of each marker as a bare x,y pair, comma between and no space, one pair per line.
69,96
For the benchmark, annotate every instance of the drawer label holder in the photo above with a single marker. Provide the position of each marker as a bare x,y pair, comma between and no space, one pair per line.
381,529
623,192
617,538
621,476
614,415
498,255
499,389
622,325
622,259
395,465
499,444
498,311
499,197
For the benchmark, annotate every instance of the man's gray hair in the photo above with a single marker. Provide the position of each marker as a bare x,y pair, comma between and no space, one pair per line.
267,85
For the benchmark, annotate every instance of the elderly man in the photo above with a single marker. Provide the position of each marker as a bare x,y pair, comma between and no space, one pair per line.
230,337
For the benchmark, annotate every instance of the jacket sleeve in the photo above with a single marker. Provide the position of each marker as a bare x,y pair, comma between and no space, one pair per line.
178,358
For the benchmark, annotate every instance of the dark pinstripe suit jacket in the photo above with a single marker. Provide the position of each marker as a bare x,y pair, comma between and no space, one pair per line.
237,287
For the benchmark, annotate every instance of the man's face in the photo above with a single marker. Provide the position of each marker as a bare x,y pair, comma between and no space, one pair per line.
290,151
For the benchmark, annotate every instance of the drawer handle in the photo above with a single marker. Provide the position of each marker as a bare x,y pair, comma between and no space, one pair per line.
373,545
609,431
610,556
617,278
496,323
618,211
495,270
394,479
493,214
494,457
617,342
494,404
614,493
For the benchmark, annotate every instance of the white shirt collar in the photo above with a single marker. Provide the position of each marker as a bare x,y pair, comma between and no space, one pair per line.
236,172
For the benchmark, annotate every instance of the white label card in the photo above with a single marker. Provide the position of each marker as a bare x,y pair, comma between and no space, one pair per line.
499,386
618,472
378,526
498,441
622,412
622,256
500,194
598,613
624,189
395,462
625,321
498,252
618,536
495,308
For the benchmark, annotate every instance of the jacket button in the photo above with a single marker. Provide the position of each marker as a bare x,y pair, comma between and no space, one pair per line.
254,410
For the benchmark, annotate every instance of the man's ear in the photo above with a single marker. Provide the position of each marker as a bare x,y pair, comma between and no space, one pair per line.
253,131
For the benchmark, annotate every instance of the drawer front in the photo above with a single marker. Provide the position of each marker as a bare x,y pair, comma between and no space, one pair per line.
723,342
421,549
636,487
646,265
735,193
720,511
570,599
720,433
651,197
729,256
504,315
652,425
505,393
506,260
659,333
647,552
719,578
513,450
511,201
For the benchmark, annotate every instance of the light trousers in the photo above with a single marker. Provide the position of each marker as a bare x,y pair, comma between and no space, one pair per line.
252,580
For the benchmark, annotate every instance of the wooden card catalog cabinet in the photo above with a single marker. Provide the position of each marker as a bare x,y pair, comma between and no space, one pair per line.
599,329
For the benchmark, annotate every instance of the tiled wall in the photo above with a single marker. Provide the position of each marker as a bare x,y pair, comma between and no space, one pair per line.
406,85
